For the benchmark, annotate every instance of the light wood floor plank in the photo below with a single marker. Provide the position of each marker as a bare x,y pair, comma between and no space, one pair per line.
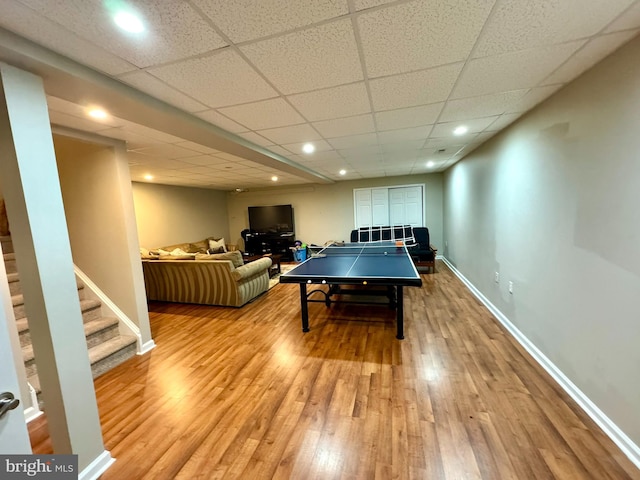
244,394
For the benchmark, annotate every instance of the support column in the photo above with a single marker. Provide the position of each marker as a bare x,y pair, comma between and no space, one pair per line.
30,184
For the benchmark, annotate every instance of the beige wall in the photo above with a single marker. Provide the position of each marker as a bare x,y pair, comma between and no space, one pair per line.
96,190
552,204
325,212
168,215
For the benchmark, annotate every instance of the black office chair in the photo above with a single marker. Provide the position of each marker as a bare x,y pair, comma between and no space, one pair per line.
423,253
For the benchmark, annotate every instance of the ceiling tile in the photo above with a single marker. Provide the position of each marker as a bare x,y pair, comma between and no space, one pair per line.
334,102
204,160
316,157
413,89
213,117
196,147
409,117
630,19
503,121
217,80
81,111
151,133
25,22
156,88
275,112
166,151
133,140
404,134
71,121
291,134
366,4
532,98
243,20
482,106
419,34
178,30
345,126
296,148
402,147
589,55
353,141
476,125
450,142
523,24
512,71
318,57
280,150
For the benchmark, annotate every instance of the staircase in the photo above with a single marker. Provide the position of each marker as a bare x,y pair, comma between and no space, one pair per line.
107,347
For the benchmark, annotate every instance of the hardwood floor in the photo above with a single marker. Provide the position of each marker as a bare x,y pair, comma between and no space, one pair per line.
243,393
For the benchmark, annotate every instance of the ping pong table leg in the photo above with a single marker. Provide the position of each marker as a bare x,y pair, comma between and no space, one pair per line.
304,311
399,313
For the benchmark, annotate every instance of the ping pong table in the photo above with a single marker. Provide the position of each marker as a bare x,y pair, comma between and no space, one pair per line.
364,268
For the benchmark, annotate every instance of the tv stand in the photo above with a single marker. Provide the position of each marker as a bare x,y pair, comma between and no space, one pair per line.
276,243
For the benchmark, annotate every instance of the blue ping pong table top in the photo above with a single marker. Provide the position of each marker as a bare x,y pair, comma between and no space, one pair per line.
377,263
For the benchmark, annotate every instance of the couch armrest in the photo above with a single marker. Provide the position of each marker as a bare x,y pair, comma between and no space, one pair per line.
433,248
251,269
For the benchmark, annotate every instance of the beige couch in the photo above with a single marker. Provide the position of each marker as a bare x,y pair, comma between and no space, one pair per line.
218,279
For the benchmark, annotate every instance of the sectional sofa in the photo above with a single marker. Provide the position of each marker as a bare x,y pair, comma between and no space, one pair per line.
209,279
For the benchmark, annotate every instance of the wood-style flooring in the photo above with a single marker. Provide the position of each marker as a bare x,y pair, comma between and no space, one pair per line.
244,394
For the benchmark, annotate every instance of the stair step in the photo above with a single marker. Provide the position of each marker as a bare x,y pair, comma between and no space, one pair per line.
103,341
10,262
90,308
103,358
111,353
7,244
15,287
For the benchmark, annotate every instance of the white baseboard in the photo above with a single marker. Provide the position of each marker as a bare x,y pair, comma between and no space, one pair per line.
30,414
97,467
147,346
625,444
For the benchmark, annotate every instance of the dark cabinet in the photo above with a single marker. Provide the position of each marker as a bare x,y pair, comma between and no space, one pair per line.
277,243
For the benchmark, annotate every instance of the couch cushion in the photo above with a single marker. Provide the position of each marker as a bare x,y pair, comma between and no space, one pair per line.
198,247
235,257
217,246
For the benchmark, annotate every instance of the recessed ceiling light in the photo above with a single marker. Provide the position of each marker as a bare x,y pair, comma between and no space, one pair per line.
461,130
97,113
343,172
308,148
430,163
148,176
128,22
274,179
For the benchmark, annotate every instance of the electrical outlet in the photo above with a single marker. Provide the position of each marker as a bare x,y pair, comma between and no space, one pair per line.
446,243
510,287
497,277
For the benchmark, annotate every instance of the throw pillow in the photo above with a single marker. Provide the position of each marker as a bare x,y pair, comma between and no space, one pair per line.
217,246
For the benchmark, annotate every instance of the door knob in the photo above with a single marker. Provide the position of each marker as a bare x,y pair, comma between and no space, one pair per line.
7,402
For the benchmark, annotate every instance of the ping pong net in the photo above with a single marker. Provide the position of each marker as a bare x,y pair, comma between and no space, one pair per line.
396,233
369,249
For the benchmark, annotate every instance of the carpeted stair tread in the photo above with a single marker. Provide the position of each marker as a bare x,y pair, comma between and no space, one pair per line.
9,256
13,277
17,299
27,353
105,349
111,353
94,326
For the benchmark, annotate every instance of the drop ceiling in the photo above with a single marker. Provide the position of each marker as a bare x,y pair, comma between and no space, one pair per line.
223,94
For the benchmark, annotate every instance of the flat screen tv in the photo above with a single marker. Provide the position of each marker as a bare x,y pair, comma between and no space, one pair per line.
271,219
